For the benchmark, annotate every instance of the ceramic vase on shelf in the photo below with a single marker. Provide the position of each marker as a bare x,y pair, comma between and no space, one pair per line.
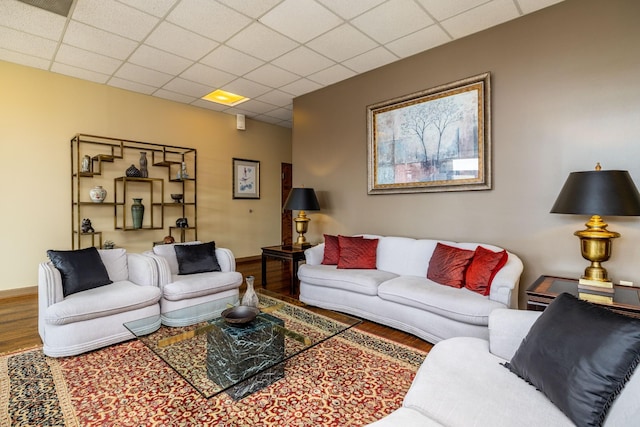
97,194
250,298
137,213
144,172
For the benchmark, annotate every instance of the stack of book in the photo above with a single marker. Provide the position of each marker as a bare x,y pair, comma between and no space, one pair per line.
596,291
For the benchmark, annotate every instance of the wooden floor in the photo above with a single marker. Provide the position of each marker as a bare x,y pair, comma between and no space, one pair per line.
19,315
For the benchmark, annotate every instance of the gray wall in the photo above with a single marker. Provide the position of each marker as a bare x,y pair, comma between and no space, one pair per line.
565,95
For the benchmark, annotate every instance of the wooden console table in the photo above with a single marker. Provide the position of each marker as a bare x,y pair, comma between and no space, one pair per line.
626,299
284,252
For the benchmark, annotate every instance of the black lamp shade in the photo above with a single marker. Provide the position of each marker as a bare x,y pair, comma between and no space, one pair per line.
605,192
303,199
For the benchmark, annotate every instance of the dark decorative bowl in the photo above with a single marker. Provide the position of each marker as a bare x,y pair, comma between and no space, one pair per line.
176,197
240,315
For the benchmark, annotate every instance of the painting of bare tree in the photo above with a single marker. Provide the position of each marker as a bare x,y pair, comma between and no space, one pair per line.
434,140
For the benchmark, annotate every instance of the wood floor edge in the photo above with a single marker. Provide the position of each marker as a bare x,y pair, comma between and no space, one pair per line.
19,292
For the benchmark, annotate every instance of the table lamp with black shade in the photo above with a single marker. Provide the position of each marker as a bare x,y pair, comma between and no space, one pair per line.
302,199
595,193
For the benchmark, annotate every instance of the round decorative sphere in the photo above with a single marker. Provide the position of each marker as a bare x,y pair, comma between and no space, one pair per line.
97,194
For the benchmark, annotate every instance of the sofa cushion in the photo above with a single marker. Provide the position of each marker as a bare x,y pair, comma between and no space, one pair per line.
115,298
448,265
332,249
200,284
356,252
404,255
168,252
115,261
80,269
458,304
360,281
483,268
199,258
580,356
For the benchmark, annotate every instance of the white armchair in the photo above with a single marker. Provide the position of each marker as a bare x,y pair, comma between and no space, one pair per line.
94,318
204,292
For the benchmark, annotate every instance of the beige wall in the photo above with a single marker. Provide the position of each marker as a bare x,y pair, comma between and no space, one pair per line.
565,96
41,111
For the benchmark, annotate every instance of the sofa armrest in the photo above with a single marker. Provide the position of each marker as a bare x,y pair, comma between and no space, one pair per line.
507,329
314,255
162,268
504,287
142,270
226,259
49,290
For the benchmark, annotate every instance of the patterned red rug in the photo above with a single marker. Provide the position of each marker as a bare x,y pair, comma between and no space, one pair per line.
350,380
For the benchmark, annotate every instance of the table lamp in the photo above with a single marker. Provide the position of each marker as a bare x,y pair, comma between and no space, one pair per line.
302,199
595,193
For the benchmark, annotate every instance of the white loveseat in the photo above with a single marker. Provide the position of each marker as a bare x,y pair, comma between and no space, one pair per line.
398,294
462,383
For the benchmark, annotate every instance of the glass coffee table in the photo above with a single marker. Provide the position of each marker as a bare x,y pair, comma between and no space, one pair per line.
215,356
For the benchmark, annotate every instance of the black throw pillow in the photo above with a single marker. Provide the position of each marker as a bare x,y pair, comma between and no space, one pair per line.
580,356
81,270
199,258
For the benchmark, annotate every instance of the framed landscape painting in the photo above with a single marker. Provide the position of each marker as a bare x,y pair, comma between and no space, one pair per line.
435,140
246,179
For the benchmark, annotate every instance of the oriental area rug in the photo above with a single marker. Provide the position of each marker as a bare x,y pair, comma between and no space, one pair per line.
350,380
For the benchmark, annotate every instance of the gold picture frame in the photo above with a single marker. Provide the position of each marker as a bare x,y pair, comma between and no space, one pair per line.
434,140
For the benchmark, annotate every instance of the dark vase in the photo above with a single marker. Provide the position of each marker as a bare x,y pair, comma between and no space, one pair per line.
137,213
144,172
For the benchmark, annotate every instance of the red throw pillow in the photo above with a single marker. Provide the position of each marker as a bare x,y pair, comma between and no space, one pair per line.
332,249
483,268
356,252
448,265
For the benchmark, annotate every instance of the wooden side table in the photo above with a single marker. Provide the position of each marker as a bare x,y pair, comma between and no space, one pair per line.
626,299
284,252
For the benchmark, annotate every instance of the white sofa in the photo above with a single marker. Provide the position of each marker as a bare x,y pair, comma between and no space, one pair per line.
398,294
462,383
94,318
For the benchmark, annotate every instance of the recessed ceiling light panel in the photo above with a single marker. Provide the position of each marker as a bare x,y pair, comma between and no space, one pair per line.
225,98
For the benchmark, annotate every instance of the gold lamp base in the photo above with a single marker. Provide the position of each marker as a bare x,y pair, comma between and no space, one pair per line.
302,225
595,245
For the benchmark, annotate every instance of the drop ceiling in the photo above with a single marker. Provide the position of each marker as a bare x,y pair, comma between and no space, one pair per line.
268,50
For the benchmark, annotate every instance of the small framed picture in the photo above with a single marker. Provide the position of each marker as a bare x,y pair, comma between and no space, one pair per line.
246,179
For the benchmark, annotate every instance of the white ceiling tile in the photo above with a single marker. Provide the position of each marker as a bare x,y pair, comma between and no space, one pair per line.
208,18
419,41
281,114
140,74
209,105
268,119
252,8
480,18
172,96
32,20
529,6
446,9
246,88
300,87
257,107
132,86
332,75
88,60
79,73
115,17
207,76
230,60
262,42
22,59
98,41
392,20
333,44
27,43
187,87
303,61
351,8
159,60
171,38
302,20
157,8
272,76
368,61
276,97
